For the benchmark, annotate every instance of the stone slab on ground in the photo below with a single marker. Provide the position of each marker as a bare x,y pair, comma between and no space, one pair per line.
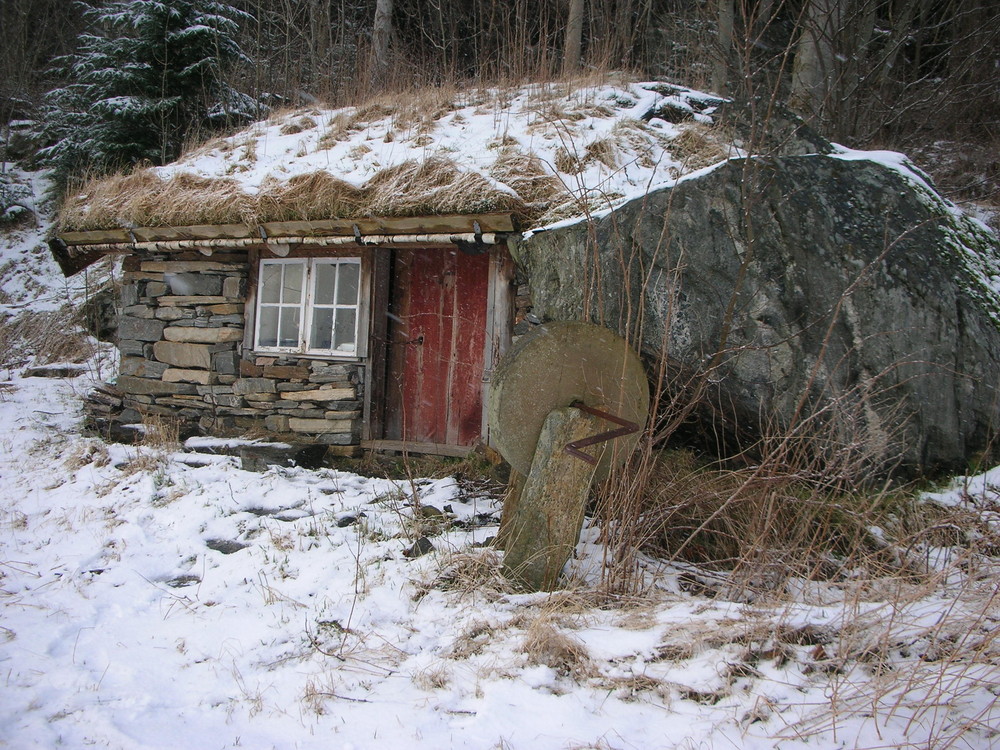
544,528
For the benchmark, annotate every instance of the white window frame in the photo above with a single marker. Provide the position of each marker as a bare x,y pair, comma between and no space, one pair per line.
306,307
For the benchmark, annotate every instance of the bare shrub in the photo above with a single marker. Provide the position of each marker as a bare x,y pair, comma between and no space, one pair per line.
44,337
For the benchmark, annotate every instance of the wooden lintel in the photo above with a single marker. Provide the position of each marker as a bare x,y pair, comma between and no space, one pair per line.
96,237
392,225
196,232
387,226
403,446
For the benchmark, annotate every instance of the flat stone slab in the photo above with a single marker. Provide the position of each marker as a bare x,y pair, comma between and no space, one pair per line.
55,371
320,394
542,530
184,355
177,375
148,386
320,425
193,335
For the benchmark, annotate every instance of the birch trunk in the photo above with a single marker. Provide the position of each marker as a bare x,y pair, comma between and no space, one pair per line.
381,34
574,37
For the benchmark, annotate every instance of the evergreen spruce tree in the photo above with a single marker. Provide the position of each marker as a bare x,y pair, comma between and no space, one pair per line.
147,74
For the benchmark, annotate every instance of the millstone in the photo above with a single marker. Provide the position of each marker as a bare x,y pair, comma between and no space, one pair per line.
554,366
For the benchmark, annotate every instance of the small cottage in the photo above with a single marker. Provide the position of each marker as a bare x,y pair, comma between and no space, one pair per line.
345,333
343,277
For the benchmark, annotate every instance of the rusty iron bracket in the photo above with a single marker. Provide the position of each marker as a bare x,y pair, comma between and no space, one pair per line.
575,448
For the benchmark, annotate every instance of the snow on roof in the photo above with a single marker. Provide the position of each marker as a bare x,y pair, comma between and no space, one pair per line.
544,152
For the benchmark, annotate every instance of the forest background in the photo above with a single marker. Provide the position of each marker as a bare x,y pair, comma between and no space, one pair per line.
920,76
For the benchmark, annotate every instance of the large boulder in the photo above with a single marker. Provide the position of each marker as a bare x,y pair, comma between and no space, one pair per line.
837,291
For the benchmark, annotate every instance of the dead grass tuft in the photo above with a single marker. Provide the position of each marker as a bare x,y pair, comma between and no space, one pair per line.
44,337
435,186
475,573
316,195
700,146
526,174
160,433
340,128
473,640
634,135
757,529
298,125
603,150
545,644
568,162
636,688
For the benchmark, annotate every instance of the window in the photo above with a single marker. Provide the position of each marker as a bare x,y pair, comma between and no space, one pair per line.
310,305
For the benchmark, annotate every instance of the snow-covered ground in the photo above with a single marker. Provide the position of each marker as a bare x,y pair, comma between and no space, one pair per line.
157,598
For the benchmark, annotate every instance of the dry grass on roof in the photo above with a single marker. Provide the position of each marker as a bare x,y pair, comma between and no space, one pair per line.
144,199
435,186
309,197
527,176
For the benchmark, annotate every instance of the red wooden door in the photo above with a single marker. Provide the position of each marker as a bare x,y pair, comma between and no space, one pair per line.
437,335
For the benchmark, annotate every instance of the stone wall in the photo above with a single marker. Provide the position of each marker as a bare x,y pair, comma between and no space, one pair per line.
181,337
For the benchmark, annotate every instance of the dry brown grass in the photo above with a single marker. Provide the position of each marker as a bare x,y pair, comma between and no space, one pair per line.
526,174
414,188
434,186
699,145
430,186
305,197
544,643
747,529
603,150
298,125
143,198
638,138
474,573
44,338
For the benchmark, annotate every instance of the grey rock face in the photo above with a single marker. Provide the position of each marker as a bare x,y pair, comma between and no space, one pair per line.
796,284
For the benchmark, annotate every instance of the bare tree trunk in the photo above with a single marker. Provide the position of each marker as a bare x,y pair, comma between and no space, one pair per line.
574,37
814,67
381,33
720,71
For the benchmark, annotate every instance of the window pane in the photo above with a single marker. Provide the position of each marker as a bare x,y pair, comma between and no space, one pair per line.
347,291
268,326
270,284
291,290
289,326
321,336
326,277
345,333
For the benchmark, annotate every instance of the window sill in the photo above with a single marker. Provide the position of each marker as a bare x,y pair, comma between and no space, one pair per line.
294,354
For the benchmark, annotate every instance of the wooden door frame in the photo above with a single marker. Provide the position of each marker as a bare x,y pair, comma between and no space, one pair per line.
499,328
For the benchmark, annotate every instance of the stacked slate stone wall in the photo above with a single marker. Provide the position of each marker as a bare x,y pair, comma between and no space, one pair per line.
181,335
